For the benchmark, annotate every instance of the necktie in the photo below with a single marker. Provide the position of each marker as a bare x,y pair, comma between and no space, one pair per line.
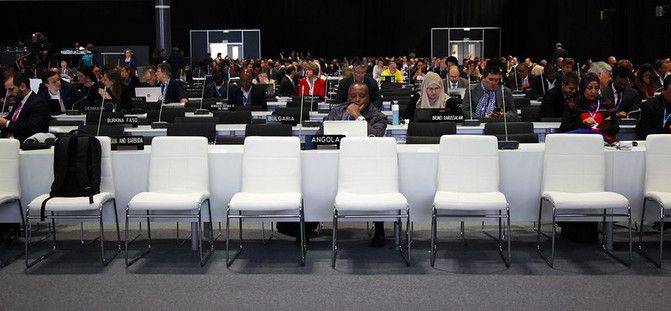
618,101
15,116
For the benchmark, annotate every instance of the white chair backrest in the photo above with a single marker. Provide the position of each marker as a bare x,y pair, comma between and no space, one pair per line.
179,165
271,165
106,171
658,163
368,165
574,163
9,161
468,163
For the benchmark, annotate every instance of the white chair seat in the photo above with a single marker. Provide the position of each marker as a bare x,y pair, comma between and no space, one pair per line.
478,201
7,197
167,201
370,202
662,197
246,201
587,200
63,204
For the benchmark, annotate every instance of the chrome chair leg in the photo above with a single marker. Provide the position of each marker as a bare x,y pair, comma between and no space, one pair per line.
434,238
28,237
235,256
302,242
334,242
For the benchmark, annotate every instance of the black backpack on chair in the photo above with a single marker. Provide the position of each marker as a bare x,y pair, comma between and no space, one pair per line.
77,157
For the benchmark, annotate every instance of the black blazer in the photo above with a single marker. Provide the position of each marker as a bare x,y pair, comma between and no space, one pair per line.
33,118
257,94
553,103
287,88
652,114
71,97
124,102
373,89
537,88
175,92
212,92
631,99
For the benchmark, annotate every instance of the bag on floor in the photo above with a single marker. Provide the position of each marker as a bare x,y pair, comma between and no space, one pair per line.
77,157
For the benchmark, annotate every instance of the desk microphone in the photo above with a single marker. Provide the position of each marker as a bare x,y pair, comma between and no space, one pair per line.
506,144
300,121
470,121
200,110
578,70
159,124
74,111
100,117
543,82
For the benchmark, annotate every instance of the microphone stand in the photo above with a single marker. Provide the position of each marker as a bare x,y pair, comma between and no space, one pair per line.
201,111
159,124
300,114
4,102
470,121
100,117
506,144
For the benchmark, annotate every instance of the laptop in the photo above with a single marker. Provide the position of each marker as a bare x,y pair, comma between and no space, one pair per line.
152,94
347,128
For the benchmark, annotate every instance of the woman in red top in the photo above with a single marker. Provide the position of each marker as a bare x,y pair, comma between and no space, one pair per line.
312,84
589,112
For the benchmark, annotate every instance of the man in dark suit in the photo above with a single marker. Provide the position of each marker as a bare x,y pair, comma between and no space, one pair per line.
359,75
543,83
218,87
554,100
662,67
60,94
520,80
287,84
30,114
247,94
656,113
486,98
619,92
454,80
172,89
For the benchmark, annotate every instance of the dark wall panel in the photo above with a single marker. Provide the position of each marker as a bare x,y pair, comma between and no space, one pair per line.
66,22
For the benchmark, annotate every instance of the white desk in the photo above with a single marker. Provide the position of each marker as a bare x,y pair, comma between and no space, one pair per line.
397,131
520,178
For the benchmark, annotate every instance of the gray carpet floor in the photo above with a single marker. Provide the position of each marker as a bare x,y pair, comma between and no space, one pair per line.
470,276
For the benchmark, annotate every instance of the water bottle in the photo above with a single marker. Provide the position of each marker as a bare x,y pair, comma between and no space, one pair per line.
394,113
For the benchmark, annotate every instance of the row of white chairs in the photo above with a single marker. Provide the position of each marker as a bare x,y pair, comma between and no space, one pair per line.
573,184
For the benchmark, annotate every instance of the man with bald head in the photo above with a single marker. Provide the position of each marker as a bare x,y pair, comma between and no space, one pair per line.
247,94
454,80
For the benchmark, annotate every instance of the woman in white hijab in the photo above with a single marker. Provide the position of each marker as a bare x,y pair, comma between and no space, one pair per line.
431,96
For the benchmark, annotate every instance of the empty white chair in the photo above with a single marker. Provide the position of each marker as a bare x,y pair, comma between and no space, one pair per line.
178,186
657,185
468,185
271,185
10,186
79,208
574,173
368,187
